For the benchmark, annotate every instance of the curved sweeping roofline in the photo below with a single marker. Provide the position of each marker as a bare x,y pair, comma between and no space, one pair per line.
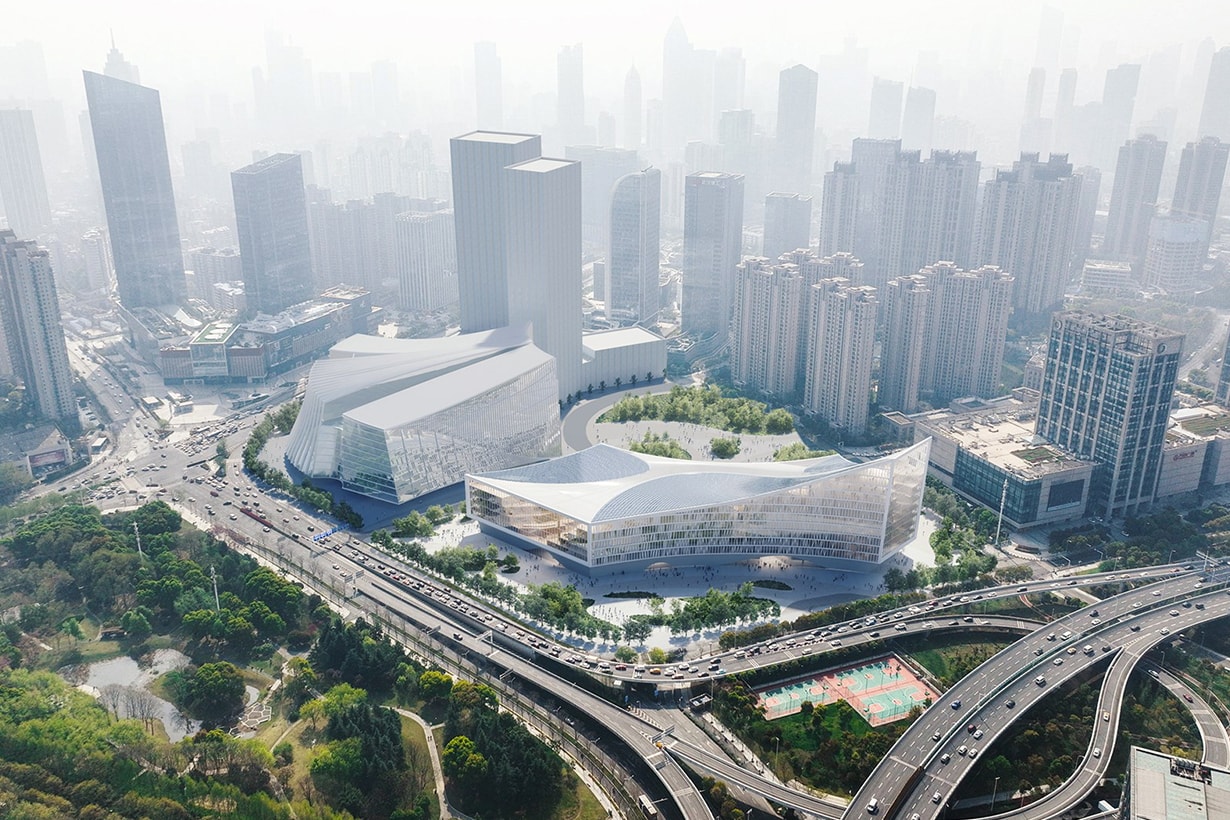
605,483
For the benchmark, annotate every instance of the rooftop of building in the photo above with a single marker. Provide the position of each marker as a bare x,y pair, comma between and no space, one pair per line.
1118,323
15,446
1172,788
293,316
344,292
215,333
619,337
544,165
500,137
605,483
1003,434
271,161
1204,421
1108,265
211,251
425,352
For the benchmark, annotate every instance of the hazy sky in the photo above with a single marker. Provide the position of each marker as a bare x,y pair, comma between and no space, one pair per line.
175,42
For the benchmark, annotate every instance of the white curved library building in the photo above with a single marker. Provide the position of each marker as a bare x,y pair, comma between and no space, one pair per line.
605,509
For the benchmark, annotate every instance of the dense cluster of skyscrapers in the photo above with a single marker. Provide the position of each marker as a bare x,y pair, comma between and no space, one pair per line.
886,279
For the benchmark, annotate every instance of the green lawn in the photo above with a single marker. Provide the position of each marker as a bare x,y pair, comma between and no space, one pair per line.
951,657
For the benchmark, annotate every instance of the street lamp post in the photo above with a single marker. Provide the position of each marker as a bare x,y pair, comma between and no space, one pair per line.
994,794
1003,499
777,743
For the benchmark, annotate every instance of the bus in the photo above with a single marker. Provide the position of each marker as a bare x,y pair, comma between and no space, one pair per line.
647,807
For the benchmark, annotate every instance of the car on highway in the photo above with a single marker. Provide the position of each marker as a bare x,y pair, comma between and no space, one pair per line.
1106,716
1041,681
1174,613
956,704
961,750
1010,704
1097,751
935,738
937,797
945,757
1057,662
977,734
973,753
1187,697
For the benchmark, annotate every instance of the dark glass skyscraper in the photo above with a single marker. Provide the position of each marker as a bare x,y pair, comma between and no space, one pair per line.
131,146
271,215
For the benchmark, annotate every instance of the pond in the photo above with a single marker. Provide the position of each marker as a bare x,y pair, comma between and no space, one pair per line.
125,672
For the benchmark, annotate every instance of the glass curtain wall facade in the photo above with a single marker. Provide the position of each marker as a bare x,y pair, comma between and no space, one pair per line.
829,510
511,423
394,419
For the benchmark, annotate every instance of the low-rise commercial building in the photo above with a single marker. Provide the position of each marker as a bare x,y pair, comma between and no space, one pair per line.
239,353
1164,787
630,354
992,456
41,449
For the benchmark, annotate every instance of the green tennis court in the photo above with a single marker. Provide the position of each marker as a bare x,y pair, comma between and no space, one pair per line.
881,690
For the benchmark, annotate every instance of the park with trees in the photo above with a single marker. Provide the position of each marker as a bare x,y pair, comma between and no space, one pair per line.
704,405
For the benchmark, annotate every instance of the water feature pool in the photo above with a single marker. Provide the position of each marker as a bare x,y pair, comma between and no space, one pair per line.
124,671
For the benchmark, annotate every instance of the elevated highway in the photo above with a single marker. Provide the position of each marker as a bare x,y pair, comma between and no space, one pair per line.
992,697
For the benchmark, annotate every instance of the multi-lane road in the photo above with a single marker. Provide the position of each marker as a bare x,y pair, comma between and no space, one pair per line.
932,616
927,759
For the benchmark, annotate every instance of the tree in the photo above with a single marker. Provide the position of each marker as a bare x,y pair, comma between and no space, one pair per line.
13,481
510,564
725,447
141,704
633,379
618,381
589,391
462,762
602,385
637,630
658,655
435,685
437,515
779,422
625,654
136,623
284,754
343,697
313,711
72,628
112,696
212,692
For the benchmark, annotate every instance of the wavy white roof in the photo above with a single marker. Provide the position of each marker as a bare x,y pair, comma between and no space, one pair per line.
605,483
